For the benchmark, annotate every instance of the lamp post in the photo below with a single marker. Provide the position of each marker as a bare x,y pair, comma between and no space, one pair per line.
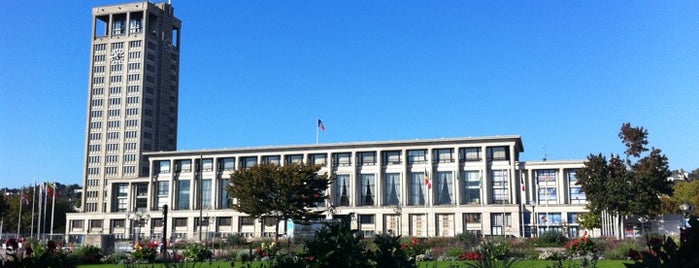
643,221
533,217
687,209
138,219
398,209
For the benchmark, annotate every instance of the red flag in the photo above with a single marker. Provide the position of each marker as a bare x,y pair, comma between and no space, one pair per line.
427,180
320,125
521,180
25,198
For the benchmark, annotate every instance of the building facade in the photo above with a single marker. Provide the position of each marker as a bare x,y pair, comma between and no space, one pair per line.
477,185
133,94
132,168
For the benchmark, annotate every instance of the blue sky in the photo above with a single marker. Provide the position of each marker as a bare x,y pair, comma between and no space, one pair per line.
562,74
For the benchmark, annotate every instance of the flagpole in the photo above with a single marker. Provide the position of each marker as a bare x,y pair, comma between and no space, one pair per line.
19,216
53,208
33,198
46,204
38,222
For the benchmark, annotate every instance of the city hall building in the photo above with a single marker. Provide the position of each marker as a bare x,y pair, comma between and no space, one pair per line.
132,167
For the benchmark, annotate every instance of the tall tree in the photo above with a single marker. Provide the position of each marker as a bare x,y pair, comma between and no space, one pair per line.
686,192
284,192
625,186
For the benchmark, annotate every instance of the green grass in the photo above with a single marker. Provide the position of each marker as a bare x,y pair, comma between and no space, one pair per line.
427,264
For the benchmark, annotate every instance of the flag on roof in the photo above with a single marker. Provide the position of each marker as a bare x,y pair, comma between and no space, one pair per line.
320,125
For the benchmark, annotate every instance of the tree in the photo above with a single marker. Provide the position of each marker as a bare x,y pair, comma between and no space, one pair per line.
284,192
686,192
623,186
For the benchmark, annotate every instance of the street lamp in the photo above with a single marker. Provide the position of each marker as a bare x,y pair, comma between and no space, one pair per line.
138,218
533,217
687,210
643,221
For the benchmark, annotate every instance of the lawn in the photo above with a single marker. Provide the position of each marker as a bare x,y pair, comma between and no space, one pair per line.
430,264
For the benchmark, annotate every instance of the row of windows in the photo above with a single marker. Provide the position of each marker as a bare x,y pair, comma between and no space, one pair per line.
362,158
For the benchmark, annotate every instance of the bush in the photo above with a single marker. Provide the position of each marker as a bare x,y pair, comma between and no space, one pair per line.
620,250
145,252
90,254
197,252
552,239
581,246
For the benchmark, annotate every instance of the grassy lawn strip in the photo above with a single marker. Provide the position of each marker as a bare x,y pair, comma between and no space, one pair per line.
429,264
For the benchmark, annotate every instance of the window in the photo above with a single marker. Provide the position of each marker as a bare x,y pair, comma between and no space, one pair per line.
472,187
77,224
113,124
183,165
247,221
132,89
577,196
225,201
207,164
133,78
470,154
392,186
572,218
100,58
549,218
114,101
206,193
164,166
98,80
112,158
341,159
114,113
116,68
115,78
226,163
134,44
134,66
115,90
271,159
415,194
366,158
546,182
248,162
472,218
368,190
135,55
318,159
417,156
130,158
182,195
445,188
498,153
112,147
131,111
119,223
95,136
131,123
294,159
163,193
444,155
342,190
179,222
131,134
224,221
391,158
96,114
132,100
100,47
500,188
367,219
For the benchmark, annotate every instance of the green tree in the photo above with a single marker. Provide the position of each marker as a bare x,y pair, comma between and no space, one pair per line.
625,186
284,192
686,192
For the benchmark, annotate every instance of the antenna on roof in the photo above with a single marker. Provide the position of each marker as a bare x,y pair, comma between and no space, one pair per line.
545,155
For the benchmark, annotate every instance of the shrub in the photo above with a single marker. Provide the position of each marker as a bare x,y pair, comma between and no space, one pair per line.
336,245
90,254
389,252
552,239
581,246
197,252
145,252
620,250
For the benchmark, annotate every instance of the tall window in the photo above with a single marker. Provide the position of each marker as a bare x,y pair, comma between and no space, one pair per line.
445,188
182,195
417,156
472,187
164,166
577,196
271,159
207,164
163,193
498,221
294,159
500,186
248,162
368,190
342,190
122,190
206,193
225,201
416,194
392,186
546,182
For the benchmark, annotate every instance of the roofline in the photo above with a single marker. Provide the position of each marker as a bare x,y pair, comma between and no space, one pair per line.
343,145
